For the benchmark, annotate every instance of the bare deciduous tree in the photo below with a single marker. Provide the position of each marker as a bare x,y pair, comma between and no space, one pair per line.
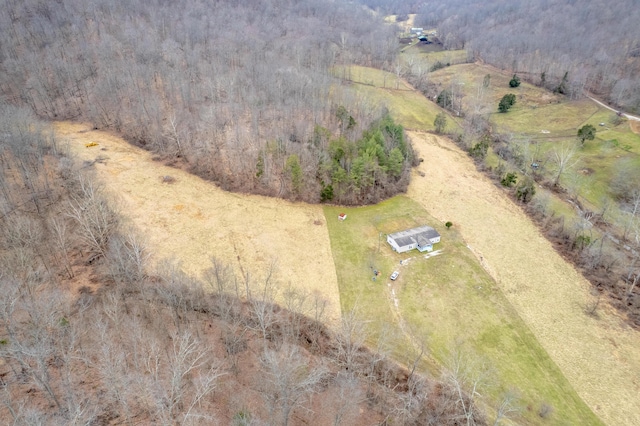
289,379
466,377
94,215
507,407
564,160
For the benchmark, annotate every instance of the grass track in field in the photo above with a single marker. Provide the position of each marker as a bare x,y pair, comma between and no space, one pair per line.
444,300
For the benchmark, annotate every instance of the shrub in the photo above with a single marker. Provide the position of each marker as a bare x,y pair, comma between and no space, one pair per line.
479,150
437,66
440,122
526,190
509,179
486,82
507,102
515,81
545,410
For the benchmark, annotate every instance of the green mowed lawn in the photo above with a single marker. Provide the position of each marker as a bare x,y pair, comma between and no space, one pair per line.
446,301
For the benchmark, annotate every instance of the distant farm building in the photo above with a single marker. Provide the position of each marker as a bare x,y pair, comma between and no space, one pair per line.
417,31
422,238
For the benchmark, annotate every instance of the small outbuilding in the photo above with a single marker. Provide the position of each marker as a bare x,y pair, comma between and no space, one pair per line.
422,238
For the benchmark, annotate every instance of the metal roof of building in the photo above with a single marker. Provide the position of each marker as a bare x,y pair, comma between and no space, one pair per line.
421,235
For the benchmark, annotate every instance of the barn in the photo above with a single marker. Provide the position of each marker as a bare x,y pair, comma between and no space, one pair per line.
422,238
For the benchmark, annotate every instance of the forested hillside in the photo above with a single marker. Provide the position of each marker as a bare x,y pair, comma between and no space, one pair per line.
239,92
589,45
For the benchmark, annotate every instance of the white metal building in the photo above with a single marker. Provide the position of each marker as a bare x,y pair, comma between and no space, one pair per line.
422,238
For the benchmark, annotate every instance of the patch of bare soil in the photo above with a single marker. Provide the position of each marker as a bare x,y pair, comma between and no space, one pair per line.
599,356
185,218
635,126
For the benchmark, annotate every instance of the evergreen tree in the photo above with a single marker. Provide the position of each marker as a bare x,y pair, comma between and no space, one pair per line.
506,102
445,99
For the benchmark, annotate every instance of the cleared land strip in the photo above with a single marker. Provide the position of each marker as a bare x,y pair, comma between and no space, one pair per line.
600,357
192,219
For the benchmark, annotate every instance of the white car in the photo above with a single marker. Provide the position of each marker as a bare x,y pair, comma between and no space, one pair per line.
394,275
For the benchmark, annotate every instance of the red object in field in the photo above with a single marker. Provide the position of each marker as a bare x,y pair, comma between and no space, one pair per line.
342,216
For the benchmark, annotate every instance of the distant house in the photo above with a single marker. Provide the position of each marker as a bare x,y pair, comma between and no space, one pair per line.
422,238
416,31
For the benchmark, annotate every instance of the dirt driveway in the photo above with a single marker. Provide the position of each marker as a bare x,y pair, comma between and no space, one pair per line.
600,357
192,219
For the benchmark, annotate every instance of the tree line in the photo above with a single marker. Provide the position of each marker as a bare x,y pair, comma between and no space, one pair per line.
137,343
241,93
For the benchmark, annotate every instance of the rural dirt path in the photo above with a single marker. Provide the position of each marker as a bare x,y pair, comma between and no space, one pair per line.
628,116
192,219
600,357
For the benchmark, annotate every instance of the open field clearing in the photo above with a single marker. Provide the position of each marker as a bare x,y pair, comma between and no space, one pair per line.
430,54
538,113
406,105
548,121
599,356
191,220
372,77
447,302
467,78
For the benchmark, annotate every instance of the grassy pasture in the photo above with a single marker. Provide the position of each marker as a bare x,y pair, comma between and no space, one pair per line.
429,54
372,77
596,162
536,99
559,119
444,301
406,105
550,120
468,78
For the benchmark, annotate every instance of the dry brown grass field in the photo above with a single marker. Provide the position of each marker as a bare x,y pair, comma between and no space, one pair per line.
190,219
599,356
